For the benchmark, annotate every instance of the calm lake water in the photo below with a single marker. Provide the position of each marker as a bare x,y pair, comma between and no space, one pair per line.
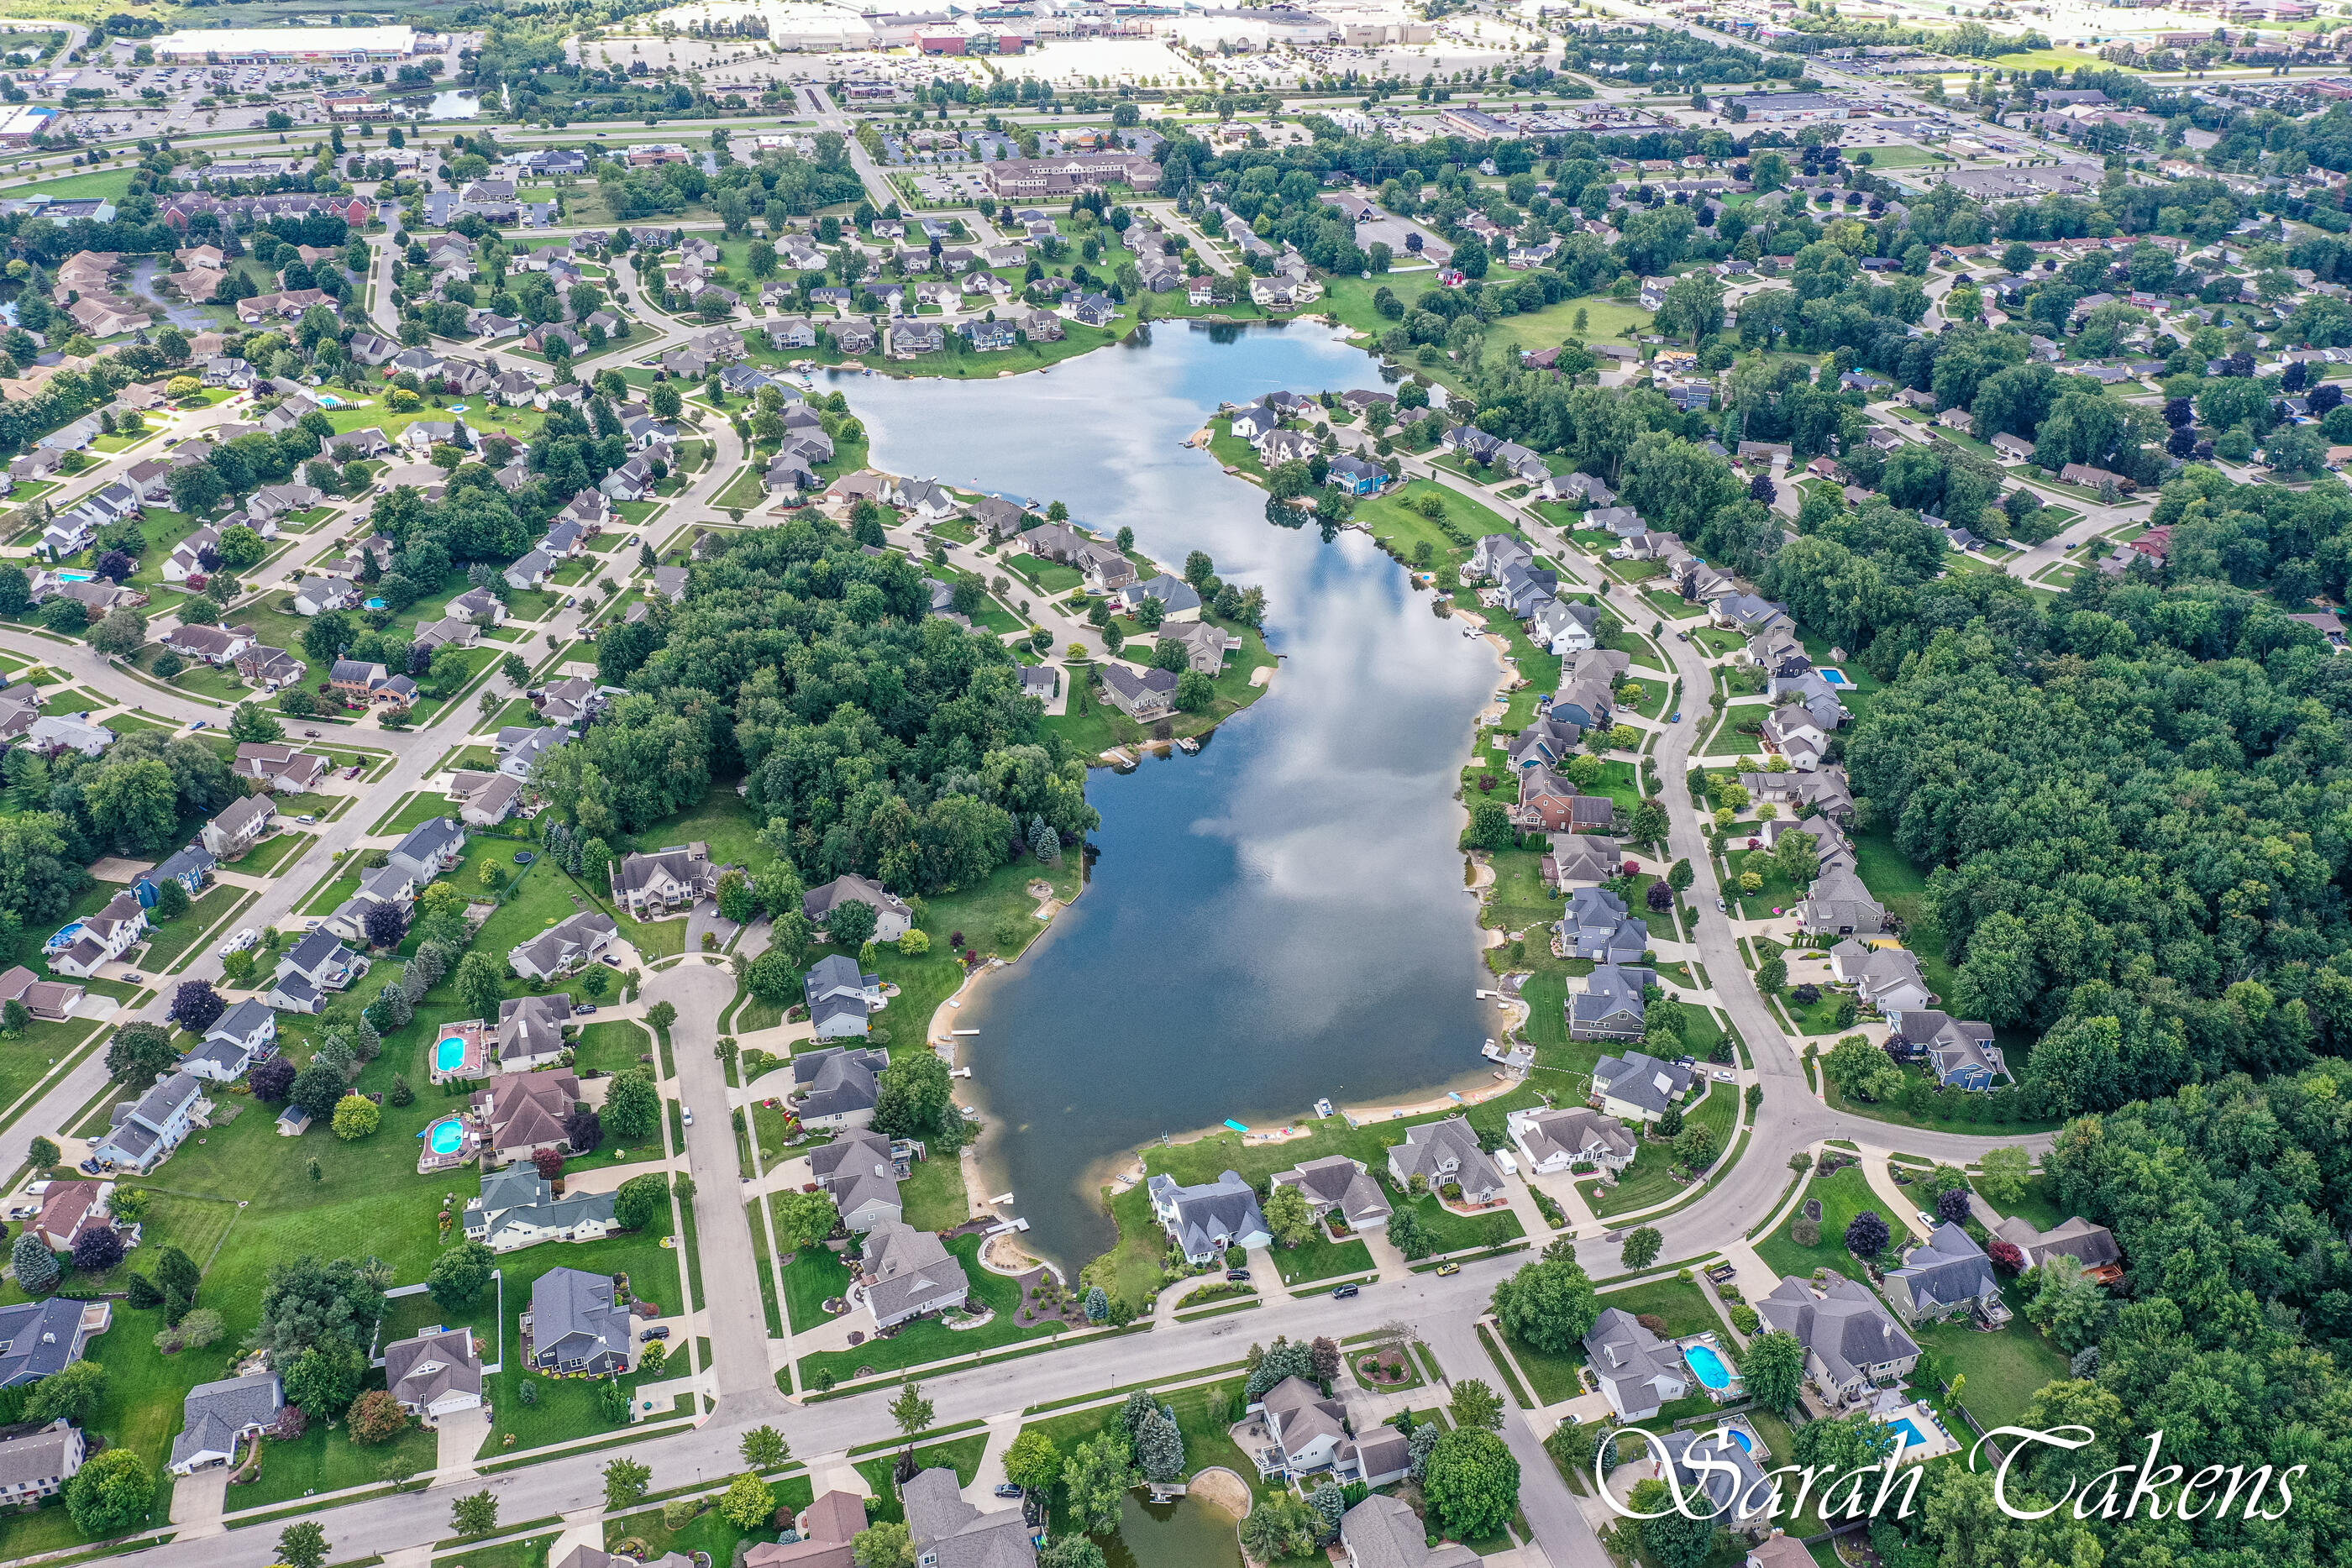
1282,917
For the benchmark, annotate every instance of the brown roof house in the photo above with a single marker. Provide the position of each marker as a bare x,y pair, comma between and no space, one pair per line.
525,1113
825,1527
1336,1182
51,999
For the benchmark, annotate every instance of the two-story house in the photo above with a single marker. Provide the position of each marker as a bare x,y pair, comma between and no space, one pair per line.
1442,1154
1206,1219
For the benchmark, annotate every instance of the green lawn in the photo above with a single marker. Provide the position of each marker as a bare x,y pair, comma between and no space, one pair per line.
1203,1415
566,1407
1681,1302
1320,1258
706,1532
170,945
1650,1179
2004,1369
931,1339
267,857
1555,1377
815,1276
1843,1195
934,1194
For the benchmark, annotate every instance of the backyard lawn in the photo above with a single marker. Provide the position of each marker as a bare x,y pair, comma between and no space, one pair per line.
932,1340
2004,1368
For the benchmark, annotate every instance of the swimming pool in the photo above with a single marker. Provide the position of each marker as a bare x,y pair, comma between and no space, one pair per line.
1747,1444
76,577
449,1054
1835,677
375,605
1913,1439
445,1136
329,400
1710,1367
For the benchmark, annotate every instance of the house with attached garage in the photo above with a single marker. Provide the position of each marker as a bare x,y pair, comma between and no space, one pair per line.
317,595
1637,1087
50,999
893,916
1444,1153
1552,804
1947,1275
1596,926
100,939
314,966
1613,1004
191,867
841,998
670,882
1206,1219
906,1273
214,646
836,1088
861,1174
1564,626
519,747
434,1373
2092,1246
219,1418
1571,1138
241,824
1306,1427
146,1131
1839,904
518,1208
1960,1052
1851,1342
40,1338
575,1324
1337,1184
565,947
529,1032
1582,859
1638,1372
1886,980
524,1112
1384,1531
238,1037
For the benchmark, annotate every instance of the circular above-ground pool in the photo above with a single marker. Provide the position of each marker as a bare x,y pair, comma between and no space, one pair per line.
449,1054
445,1136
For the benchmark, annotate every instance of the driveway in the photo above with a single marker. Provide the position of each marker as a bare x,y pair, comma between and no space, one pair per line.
196,1503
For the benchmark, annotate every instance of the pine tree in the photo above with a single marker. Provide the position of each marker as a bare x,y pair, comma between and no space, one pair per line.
37,1266
1160,1447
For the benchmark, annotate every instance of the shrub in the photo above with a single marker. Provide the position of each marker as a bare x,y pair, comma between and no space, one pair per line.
1806,1232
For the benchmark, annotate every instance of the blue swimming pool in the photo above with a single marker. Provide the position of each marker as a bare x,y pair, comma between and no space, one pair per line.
76,577
444,1138
1747,1444
375,605
449,1054
1835,677
1913,1439
1711,1368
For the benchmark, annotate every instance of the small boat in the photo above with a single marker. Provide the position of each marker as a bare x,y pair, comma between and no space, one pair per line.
1323,1108
1188,744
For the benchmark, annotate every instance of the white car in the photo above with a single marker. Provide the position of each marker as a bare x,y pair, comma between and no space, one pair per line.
686,1111
1725,1076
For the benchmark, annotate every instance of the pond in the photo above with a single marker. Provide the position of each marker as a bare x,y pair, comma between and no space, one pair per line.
1281,917
453,104
1187,1532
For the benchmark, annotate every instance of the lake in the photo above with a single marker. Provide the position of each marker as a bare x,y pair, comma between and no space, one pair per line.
1282,917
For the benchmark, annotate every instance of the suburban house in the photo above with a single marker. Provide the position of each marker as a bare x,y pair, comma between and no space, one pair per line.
1637,1371
906,1274
1636,1087
1144,695
51,999
145,1131
840,996
668,882
576,1326
565,946
1960,1052
2092,1246
239,1037
861,1173
949,1532
1338,1182
218,1417
1839,904
241,824
67,1209
1886,980
826,1529
317,963
1851,1342
518,1208
1712,1464
1551,803
529,1033
39,1338
1384,1531
37,1463
103,937
1945,1275
1306,1427
1612,1005
484,799
1444,1153
274,765
1572,1138
435,1374
1205,1221
523,1113
892,915
836,1088
1595,925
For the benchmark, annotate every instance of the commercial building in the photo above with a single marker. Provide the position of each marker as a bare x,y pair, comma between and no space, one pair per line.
289,45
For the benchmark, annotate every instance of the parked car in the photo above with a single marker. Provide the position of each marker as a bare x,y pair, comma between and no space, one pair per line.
1237,1273
612,962
1445,1269
307,819
133,976
1006,1488
585,1009
1719,903
1344,1293
310,735
659,1330
687,1113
